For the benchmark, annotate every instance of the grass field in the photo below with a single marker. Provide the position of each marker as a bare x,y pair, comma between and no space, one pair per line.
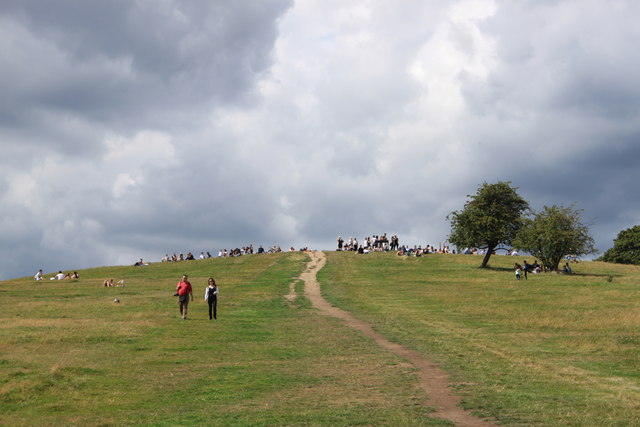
551,350
554,350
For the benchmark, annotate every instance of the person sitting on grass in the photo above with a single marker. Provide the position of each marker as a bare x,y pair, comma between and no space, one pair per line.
108,283
535,267
567,269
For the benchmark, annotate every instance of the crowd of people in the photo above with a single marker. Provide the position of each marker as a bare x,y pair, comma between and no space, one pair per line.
58,276
382,243
375,243
522,270
525,268
419,250
224,253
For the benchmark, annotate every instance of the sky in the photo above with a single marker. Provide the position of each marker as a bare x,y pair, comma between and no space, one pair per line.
131,129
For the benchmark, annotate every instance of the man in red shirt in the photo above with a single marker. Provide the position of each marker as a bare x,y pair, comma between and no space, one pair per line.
184,292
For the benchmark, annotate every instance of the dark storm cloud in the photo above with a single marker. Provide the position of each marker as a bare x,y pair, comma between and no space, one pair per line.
133,63
132,129
559,111
82,82
563,58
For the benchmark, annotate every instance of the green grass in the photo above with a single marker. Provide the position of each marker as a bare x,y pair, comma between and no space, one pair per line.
70,355
551,351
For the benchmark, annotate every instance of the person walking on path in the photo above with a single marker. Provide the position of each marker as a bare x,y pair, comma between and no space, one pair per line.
185,291
211,296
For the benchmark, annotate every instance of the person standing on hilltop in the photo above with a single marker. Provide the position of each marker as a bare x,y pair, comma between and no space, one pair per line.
184,291
211,296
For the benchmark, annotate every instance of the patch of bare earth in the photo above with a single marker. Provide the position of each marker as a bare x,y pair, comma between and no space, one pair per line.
432,378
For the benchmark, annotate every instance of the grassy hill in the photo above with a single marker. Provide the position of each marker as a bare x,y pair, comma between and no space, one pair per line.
552,350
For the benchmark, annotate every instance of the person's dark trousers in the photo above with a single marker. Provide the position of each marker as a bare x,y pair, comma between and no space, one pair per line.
213,303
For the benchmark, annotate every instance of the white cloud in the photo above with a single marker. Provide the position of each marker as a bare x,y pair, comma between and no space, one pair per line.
146,148
123,183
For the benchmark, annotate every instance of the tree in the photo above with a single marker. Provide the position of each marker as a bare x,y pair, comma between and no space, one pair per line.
554,233
626,247
490,218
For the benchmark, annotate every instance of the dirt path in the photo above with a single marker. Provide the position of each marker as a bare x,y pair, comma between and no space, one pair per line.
433,379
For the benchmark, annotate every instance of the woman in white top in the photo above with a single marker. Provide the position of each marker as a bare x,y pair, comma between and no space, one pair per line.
211,296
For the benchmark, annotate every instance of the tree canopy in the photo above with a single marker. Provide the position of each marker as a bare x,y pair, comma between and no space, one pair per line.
554,233
626,247
490,218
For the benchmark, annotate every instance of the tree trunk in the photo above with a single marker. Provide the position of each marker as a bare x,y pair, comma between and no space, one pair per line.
485,261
